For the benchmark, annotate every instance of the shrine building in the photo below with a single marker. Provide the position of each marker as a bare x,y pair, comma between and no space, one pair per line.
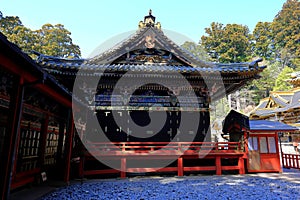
40,136
150,56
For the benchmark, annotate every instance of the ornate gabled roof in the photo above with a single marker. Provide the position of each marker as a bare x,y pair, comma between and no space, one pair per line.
149,39
278,102
276,98
149,47
149,52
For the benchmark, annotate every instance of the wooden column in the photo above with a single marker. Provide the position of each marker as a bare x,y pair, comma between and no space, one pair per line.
180,166
279,151
81,166
43,141
68,146
123,167
241,165
61,134
218,166
13,132
245,145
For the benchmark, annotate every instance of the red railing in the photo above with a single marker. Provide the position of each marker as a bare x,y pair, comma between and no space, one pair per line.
179,151
163,147
291,161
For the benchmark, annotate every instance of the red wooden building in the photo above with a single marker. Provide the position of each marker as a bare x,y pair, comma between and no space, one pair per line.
36,126
264,146
261,140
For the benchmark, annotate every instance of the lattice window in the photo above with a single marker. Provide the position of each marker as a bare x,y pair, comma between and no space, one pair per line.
51,148
28,152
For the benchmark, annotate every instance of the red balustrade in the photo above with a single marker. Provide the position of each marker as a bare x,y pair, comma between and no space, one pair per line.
182,151
291,161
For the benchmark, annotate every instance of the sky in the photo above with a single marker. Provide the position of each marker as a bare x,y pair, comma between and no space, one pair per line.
93,22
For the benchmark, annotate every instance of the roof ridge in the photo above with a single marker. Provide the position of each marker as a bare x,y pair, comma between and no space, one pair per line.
118,45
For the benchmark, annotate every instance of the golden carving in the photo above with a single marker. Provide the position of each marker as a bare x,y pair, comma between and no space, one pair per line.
141,24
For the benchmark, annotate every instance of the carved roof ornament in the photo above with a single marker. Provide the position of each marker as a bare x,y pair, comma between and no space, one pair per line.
149,21
295,79
150,41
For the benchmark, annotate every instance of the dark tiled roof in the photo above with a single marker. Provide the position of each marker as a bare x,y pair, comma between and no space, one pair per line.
189,62
234,68
76,64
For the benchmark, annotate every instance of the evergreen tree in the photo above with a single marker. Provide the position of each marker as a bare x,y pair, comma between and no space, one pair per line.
50,40
261,87
263,40
230,43
196,49
56,41
286,30
281,84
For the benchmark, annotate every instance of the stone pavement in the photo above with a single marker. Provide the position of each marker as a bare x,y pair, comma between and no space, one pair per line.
284,185
289,175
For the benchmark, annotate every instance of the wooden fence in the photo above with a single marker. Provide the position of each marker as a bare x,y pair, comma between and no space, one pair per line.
291,161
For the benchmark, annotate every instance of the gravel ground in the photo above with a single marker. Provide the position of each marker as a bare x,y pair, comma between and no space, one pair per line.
251,186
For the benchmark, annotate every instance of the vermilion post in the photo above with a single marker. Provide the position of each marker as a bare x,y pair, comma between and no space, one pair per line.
218,166
180,166
241,165
123,167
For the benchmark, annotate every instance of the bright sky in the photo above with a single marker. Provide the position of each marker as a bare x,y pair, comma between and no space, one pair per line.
93,22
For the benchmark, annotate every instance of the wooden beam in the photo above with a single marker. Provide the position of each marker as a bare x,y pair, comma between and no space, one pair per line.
12,67
13,131
68,146
57,96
